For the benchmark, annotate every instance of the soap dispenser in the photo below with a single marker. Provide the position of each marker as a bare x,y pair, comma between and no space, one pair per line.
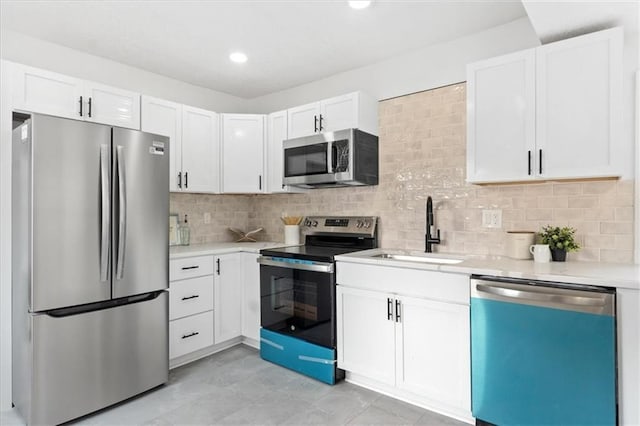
185,232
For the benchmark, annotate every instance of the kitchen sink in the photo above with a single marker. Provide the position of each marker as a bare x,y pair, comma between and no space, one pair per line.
419,258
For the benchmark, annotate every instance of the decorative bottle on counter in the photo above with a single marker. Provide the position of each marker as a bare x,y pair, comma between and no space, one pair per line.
185,232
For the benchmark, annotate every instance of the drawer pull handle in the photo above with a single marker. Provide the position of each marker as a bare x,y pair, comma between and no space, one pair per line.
186,336
191,297
185,268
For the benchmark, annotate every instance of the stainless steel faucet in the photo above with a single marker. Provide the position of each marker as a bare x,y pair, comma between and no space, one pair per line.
429,239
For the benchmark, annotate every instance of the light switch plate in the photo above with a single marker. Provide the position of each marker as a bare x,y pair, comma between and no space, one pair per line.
207,218
492,218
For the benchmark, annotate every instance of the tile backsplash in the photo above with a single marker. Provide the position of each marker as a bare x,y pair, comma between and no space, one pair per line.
422,153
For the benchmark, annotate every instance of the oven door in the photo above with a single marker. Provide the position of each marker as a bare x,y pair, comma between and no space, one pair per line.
298,298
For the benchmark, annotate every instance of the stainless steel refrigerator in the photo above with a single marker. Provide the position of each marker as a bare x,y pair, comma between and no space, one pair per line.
90,207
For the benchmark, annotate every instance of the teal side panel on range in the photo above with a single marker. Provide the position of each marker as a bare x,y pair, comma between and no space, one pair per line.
541,366
298,355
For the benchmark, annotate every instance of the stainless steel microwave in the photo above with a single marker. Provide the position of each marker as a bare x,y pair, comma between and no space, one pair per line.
332,159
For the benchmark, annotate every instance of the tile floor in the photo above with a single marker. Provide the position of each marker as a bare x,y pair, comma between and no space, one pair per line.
237,387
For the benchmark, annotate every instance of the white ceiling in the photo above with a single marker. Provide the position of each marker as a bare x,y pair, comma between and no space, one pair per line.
558,20
288,42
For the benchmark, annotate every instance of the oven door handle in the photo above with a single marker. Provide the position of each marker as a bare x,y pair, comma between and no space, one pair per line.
313,267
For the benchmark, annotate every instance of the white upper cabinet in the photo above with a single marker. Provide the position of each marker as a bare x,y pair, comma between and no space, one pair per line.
46,92
578,99
243,153
353,110
547,113
194,143
200,170
113,106
276,134
303,120
165,118
501,118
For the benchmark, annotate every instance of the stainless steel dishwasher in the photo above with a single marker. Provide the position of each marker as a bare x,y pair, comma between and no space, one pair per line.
542,353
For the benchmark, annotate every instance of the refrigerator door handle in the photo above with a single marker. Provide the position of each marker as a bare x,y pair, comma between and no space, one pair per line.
105,213
122,214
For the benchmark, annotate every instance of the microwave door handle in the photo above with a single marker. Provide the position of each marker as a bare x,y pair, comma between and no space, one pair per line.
332,158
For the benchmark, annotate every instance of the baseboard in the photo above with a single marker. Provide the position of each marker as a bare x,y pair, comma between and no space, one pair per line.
408,397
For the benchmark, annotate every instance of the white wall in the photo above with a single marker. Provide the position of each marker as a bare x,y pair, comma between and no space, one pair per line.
428,68
27,50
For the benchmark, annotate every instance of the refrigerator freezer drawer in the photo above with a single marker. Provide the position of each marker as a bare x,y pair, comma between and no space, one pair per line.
189,297
85,362
190,334
190,267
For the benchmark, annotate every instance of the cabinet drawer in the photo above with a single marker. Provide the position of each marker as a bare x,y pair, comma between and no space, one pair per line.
190,334
190,267
192,296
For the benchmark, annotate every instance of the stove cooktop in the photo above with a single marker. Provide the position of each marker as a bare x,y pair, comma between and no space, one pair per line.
307,252
329,236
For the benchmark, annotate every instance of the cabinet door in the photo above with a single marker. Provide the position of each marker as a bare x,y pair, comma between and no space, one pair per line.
242,153
303,120
250,296
433,351
46,92
200,151
112,106
227,297
276,133
339,113
366,333
578,105
501,118
165,118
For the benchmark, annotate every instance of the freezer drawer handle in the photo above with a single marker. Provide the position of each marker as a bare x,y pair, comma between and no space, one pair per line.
186,336
184,268
122,215
541,297
191,297
105,214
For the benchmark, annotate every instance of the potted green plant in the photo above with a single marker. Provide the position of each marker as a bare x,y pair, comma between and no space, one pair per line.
560,241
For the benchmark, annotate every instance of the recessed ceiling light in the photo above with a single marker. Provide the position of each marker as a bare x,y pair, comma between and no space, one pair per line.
238,57
359,4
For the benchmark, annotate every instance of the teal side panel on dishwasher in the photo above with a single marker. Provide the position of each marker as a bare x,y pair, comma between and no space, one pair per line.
541,366
298,355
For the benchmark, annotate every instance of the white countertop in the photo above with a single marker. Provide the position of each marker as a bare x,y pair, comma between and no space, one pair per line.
176,252
618,275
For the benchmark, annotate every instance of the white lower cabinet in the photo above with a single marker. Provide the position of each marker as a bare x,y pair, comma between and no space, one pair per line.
227,297
190,334
432,350
251,297
190,305
366,337
213,301
406,333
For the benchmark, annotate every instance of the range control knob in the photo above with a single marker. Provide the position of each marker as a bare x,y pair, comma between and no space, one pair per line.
367,224
314,223
307,222
359,224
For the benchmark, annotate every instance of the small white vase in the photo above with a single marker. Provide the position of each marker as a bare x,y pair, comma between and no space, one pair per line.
292,234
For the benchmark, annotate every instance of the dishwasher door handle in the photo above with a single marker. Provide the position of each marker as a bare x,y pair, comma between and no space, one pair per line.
549,297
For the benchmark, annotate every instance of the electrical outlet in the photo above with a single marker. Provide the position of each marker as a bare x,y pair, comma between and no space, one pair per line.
492,218
207,218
